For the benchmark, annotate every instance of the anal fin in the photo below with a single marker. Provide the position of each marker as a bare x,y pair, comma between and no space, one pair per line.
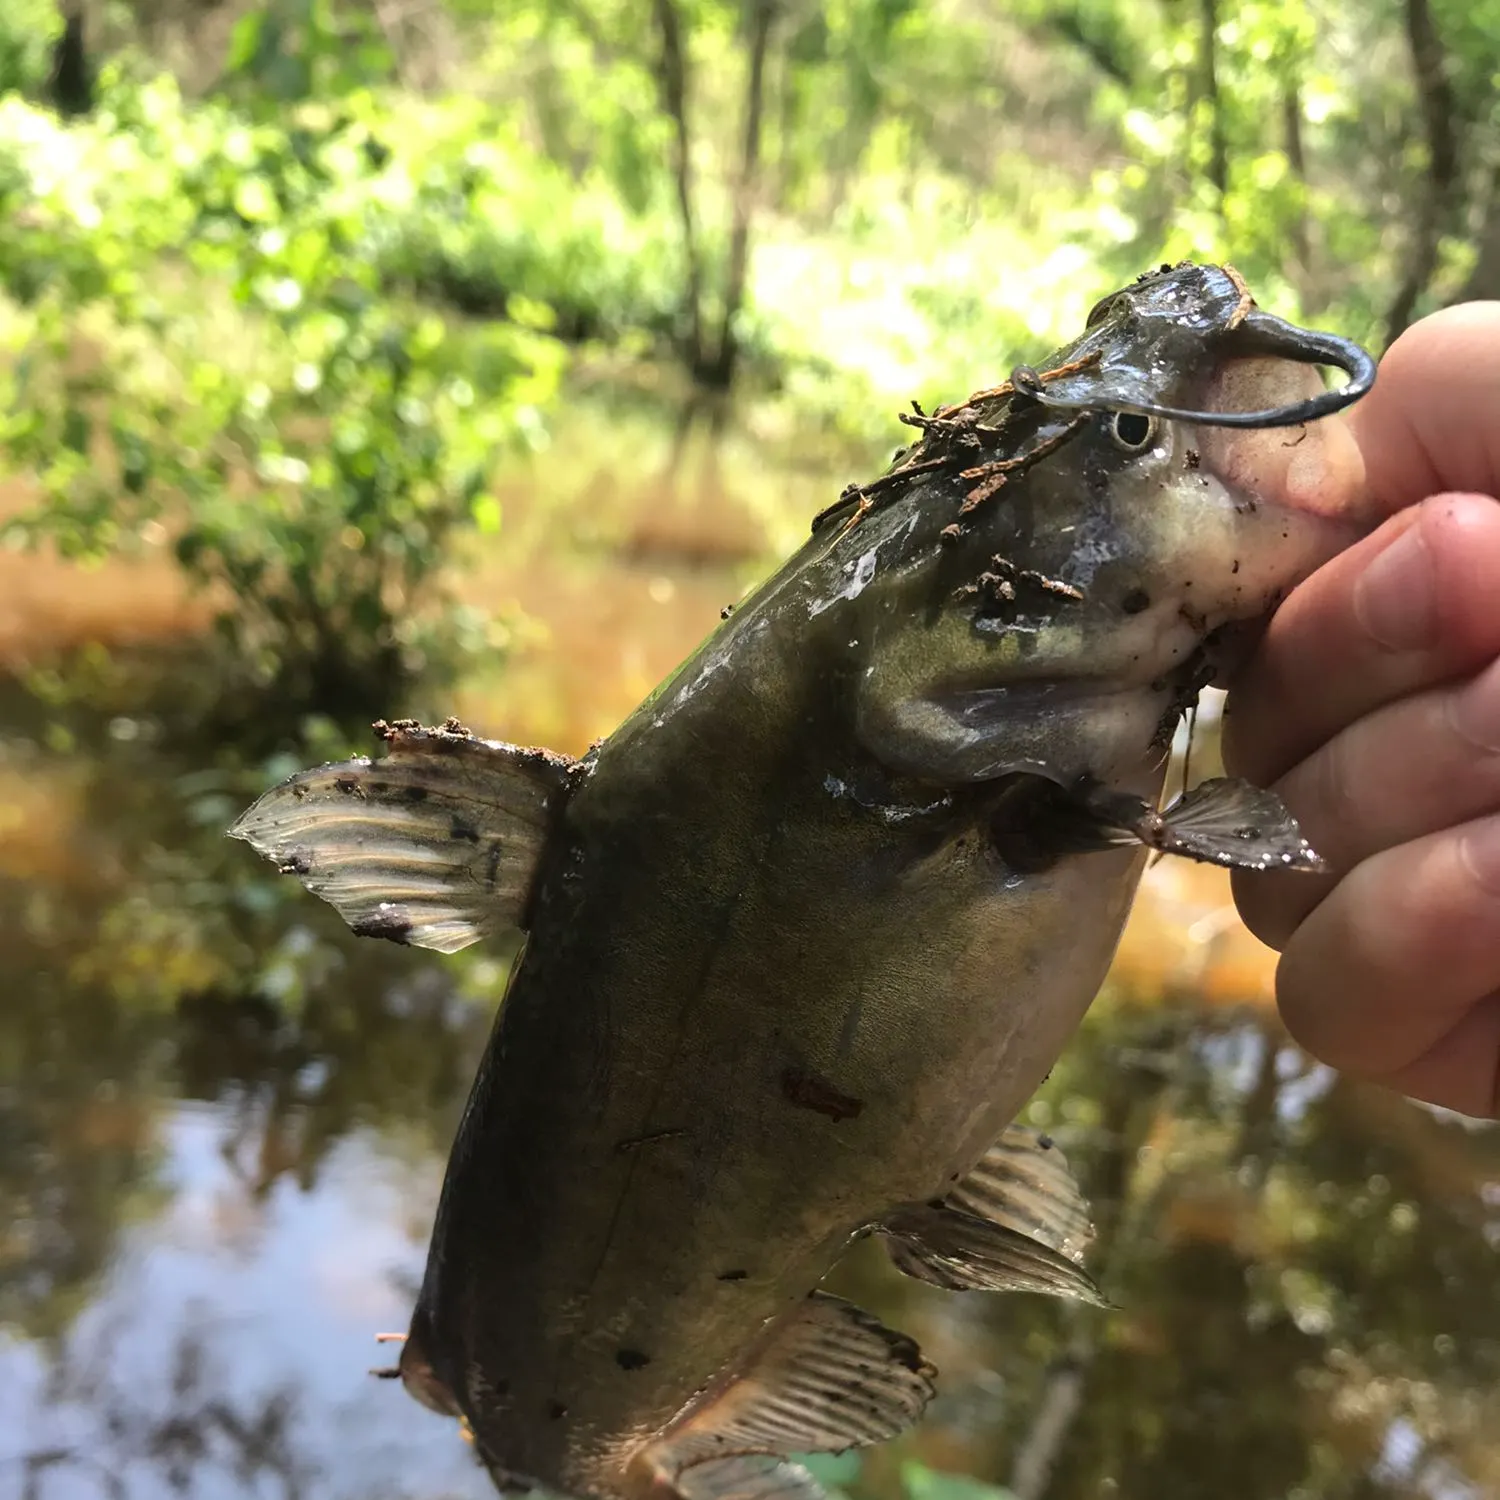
1015,1223
434,845
831,1378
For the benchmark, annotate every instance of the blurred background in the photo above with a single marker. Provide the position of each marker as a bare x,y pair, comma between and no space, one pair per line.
365,357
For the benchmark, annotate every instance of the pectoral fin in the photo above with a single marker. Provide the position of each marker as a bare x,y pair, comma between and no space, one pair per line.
1224,821
434,845
1016,1223
832,1378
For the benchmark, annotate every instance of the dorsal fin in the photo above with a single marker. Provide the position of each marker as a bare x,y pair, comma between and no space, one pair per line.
832,1377
434,845
1016,1223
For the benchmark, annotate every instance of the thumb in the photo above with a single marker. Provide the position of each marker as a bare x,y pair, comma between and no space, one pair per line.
1432,423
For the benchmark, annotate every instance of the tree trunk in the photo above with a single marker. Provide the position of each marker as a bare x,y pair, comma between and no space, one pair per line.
673,80
1125,1207
1047,1436
762,15
1435,99
70,88
1296,156
1255,1146
1218,151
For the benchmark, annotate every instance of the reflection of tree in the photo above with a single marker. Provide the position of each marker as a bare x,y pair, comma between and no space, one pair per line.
141,1440
77,1138
380,1055
1301,1266
141,968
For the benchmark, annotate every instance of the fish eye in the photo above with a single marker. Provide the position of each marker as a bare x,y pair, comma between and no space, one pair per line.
1132,431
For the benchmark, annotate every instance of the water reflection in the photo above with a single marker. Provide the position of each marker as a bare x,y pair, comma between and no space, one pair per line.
1300,1271
211,1202
222,1125
223,1353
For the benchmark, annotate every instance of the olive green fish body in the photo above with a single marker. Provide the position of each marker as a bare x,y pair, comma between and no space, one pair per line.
799,995
805,933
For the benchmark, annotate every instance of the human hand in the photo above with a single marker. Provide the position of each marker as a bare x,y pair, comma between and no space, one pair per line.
1373,707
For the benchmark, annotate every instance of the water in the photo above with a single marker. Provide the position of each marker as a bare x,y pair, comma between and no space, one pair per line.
210,1203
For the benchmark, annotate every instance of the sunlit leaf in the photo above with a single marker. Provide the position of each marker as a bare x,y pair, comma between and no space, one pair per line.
486,511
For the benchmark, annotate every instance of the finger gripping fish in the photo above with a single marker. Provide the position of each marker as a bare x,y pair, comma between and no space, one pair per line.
805,933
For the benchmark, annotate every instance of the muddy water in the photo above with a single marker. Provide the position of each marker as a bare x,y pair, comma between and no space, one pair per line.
223,1121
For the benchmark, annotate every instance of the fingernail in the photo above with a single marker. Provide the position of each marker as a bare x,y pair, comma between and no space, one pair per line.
1481,851
1395,598
1475,711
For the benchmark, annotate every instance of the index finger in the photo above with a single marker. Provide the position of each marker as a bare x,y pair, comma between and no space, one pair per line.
1324,661
1432,422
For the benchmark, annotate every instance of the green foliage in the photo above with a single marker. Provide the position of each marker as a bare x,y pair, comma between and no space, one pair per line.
202,342
292,323
293,50
840,1474
489,221
922,1483
28,29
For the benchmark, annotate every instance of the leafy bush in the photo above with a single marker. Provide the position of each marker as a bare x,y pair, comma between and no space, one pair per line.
28,29
242,319
491,220
202,342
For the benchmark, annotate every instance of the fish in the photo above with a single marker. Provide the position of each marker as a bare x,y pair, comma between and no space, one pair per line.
803,935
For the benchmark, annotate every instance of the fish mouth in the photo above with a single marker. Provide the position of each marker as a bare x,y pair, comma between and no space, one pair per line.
423,1383
1179,312
1257,334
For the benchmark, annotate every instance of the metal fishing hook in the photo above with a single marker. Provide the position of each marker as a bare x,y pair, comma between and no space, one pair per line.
1264,333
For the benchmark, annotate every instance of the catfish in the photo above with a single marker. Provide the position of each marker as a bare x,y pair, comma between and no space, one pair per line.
802,936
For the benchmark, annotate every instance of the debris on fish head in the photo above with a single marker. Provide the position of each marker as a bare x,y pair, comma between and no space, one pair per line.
1118,521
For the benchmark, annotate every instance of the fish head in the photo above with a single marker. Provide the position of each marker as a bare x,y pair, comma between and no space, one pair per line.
1092,543
1216,470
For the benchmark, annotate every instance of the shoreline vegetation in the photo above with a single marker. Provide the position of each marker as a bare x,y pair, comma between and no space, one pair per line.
289,285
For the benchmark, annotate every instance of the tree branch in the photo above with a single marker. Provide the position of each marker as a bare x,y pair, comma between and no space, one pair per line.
70,87
1218,159
1484,279
1296,156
